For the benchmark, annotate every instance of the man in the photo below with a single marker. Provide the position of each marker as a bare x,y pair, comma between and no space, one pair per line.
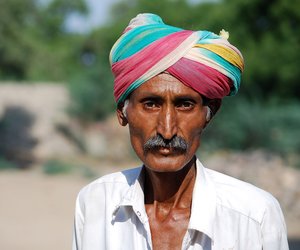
169,83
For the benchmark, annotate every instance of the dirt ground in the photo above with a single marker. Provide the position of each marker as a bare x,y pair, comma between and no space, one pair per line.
36,210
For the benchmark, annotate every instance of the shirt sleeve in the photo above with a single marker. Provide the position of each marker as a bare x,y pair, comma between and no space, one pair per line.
274,233
78,224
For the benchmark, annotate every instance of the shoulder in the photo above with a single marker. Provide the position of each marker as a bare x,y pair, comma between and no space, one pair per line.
110,184
243,197
127,176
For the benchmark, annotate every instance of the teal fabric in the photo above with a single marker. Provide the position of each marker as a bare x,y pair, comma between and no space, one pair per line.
138,38
233,72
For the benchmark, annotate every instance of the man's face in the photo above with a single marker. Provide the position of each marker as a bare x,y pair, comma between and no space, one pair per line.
166,108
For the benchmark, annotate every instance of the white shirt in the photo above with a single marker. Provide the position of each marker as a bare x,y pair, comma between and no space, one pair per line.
226,214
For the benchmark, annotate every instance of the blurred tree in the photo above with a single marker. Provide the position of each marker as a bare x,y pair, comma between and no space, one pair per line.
269,36
92,93
34,43
14,48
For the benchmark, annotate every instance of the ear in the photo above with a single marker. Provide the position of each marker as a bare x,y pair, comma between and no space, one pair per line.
212,107
121,116
208,116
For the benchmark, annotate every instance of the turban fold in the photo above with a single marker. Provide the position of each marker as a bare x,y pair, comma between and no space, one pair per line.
201,60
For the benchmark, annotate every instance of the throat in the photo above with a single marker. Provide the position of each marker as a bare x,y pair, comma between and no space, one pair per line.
167,191
167,214
168,201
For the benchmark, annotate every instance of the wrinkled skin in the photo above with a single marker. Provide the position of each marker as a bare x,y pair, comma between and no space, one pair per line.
165,106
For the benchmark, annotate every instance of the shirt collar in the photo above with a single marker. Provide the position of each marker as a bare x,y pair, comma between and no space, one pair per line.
134,197
203,202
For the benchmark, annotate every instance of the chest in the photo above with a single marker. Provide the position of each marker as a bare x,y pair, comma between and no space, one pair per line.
128,231
168,231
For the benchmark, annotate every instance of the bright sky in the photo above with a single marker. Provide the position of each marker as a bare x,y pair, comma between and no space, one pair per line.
99,14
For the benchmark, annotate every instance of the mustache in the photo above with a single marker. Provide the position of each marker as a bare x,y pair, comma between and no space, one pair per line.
176,143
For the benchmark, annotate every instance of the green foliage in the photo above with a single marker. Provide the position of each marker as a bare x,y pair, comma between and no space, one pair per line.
5,164
52,17
54,167
244,125
14,48
270,41
58,167
34,44
92,97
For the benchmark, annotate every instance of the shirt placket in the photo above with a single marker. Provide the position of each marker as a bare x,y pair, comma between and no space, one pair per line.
143,218
139,209
186,240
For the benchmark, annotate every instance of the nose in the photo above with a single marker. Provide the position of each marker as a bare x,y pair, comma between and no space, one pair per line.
167,123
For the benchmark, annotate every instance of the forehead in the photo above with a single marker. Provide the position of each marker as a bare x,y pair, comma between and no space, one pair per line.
164,85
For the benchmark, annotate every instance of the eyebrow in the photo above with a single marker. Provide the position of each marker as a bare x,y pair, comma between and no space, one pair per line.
159,98
186,98
155,95
151,97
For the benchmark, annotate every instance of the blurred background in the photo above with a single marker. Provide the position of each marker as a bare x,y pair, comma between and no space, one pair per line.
58,130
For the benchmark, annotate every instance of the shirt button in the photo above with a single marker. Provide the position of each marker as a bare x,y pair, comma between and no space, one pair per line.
138,213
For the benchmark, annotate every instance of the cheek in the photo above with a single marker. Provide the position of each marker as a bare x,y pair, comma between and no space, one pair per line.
137,140
139,132
141,125
192,128
194,140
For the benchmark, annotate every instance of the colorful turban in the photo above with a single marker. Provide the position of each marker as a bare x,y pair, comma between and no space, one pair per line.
201,60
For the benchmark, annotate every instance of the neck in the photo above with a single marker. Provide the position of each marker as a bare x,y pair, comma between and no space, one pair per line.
172,188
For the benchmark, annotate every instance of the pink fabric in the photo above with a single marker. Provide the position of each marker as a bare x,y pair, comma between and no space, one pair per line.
143,60
190,73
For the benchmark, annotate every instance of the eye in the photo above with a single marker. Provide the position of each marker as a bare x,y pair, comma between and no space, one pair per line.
150,105
185,105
